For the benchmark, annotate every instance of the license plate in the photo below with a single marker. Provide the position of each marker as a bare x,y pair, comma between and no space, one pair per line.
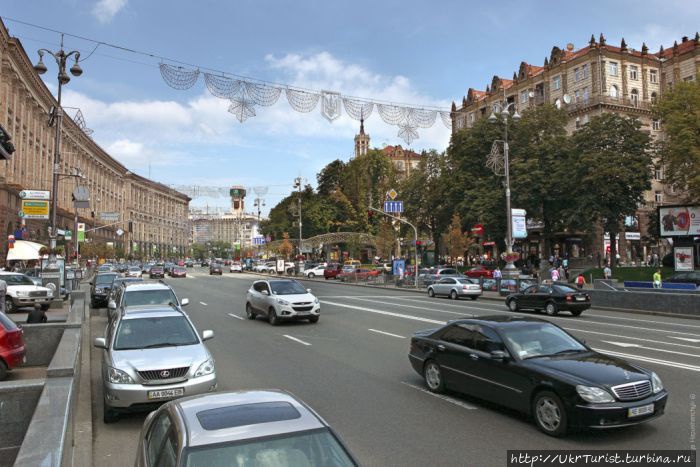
580,299
166,393
643,410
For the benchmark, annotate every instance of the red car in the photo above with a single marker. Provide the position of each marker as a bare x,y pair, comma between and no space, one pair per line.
359,274
12,351
479,271
178,271
332,271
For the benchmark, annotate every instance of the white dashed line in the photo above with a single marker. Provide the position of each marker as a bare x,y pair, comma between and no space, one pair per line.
682,366
296,340
387,333
451,400
234,316
202,303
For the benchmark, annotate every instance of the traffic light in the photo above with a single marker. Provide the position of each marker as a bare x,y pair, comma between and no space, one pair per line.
6,147
419,242
370,215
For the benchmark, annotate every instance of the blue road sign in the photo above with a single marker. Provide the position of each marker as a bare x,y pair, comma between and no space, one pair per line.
393,206
258,240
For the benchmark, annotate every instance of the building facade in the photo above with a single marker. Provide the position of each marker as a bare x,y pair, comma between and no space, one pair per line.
403,160
158,214
587,82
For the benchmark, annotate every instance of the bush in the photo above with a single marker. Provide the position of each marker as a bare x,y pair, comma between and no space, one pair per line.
667,260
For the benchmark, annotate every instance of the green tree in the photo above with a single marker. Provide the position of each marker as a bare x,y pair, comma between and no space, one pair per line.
612,170
330,177
198,251
679,112
454,240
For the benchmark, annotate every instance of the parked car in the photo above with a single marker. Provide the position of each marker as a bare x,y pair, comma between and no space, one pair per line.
118,281
317,270
685,277
251,428
552,298
100,288
134,271
536,367
157,272
216,268
235,267
12,350
455,287
281,300
332,270
479,271
22,292
178,271
142,294
151,355
358,274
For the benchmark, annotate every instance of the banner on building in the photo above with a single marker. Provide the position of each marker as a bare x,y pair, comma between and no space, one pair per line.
679,221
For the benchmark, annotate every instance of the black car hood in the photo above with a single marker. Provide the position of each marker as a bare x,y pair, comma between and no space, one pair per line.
589,368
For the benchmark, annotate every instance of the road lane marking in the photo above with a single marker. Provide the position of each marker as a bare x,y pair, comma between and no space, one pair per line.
387,313
684,339
296,340
638,346
449,399
633,338
421,308
387,333
234,316
202,303
682,366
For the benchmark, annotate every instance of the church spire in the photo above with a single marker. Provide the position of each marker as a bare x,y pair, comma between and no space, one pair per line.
361,140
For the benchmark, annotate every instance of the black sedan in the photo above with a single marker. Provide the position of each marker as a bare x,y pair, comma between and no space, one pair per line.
552,298
537,368
216,268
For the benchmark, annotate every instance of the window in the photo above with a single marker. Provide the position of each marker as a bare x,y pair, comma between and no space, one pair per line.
633,72
487,340
578,122
585,94
577,95
556,82
585,71
447,280
471,118
459,335
612,68
653,76
157,439
653,98
634,97
613,91
656,125
688,78
523,96
658,197
659,173
577,74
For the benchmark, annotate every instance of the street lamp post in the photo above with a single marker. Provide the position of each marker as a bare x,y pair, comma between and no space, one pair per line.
510,269
61,58
297,185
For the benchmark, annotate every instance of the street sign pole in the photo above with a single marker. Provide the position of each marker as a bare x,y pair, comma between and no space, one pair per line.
415,237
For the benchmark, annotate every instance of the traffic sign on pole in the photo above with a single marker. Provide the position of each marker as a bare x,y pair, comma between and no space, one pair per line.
393,206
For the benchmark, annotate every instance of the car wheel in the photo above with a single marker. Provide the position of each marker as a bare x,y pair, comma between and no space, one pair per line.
432,373
551,309
3,370
250,314
431,293
453,295
109,415
272,317
9,305
549,413
313,319
311,275
512,304
576,312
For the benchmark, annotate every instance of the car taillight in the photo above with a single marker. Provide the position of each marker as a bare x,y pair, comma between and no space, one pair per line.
569,297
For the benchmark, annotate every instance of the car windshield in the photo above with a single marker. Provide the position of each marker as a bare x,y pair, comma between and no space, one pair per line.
104,279
540,340
149,297
312,448
17,279
287,288
152,332
135,268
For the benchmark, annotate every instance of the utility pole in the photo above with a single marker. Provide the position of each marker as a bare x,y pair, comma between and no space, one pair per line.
297,185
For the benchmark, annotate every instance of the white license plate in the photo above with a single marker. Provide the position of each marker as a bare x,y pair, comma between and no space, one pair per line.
580,299
166,393
637,411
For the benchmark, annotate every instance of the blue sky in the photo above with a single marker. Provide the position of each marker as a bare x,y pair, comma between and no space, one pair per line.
417,52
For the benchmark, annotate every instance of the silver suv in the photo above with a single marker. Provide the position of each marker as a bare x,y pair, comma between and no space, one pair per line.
139,294
153,354
281,300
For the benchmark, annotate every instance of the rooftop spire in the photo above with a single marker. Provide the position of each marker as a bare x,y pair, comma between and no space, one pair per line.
601,40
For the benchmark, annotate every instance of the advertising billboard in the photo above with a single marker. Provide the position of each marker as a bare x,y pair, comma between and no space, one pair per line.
679,221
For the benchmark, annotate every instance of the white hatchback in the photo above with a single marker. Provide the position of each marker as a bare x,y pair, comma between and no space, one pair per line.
281,300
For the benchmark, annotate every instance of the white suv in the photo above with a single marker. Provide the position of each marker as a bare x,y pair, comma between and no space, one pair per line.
21,292
281,300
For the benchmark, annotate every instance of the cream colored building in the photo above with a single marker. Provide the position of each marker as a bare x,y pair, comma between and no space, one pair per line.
591,80
158,214
403,160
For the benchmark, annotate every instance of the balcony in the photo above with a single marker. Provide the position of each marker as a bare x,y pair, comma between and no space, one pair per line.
607,100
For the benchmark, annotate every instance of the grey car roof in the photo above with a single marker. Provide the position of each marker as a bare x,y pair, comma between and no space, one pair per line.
150,311
147,286
189,407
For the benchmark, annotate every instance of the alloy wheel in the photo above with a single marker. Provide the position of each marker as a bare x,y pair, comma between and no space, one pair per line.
548,414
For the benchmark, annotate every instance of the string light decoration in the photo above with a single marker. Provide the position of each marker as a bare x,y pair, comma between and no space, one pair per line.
245,94
495,160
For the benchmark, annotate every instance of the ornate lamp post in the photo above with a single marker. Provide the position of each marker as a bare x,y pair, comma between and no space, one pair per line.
61,58
494,162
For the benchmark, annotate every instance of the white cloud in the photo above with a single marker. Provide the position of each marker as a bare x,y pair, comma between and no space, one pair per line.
105,10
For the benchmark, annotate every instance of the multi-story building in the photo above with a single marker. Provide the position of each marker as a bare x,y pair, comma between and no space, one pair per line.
158,214
403,160
587,82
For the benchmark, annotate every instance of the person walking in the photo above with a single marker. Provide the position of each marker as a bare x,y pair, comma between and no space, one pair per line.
656,278
607,273
580,281
555,274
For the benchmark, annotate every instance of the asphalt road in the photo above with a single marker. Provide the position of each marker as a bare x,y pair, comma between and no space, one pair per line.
352,367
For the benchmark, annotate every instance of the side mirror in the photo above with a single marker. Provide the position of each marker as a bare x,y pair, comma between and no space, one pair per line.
207,334
499,355
308,290
112,305
100,343
265,292
184,302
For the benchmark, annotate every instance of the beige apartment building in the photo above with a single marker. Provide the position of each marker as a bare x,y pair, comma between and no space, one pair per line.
158,214
586,82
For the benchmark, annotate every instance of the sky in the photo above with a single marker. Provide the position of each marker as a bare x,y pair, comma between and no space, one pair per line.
422,53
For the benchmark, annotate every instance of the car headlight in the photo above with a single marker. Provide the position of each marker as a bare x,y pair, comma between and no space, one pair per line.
594,394
656,383
282,302
22,294
205,368
316,300
118,376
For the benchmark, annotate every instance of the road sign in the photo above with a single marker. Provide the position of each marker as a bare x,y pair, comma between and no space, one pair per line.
68,235
120,232
34,194
34,209
393,206
109,216
392,194
81,232
258,240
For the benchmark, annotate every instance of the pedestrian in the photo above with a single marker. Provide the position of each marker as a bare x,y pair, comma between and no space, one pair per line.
607,273
3,294
580,281
656,278
555,274
562,273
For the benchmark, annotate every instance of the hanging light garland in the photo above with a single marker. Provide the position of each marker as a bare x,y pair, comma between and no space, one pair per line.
246,94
